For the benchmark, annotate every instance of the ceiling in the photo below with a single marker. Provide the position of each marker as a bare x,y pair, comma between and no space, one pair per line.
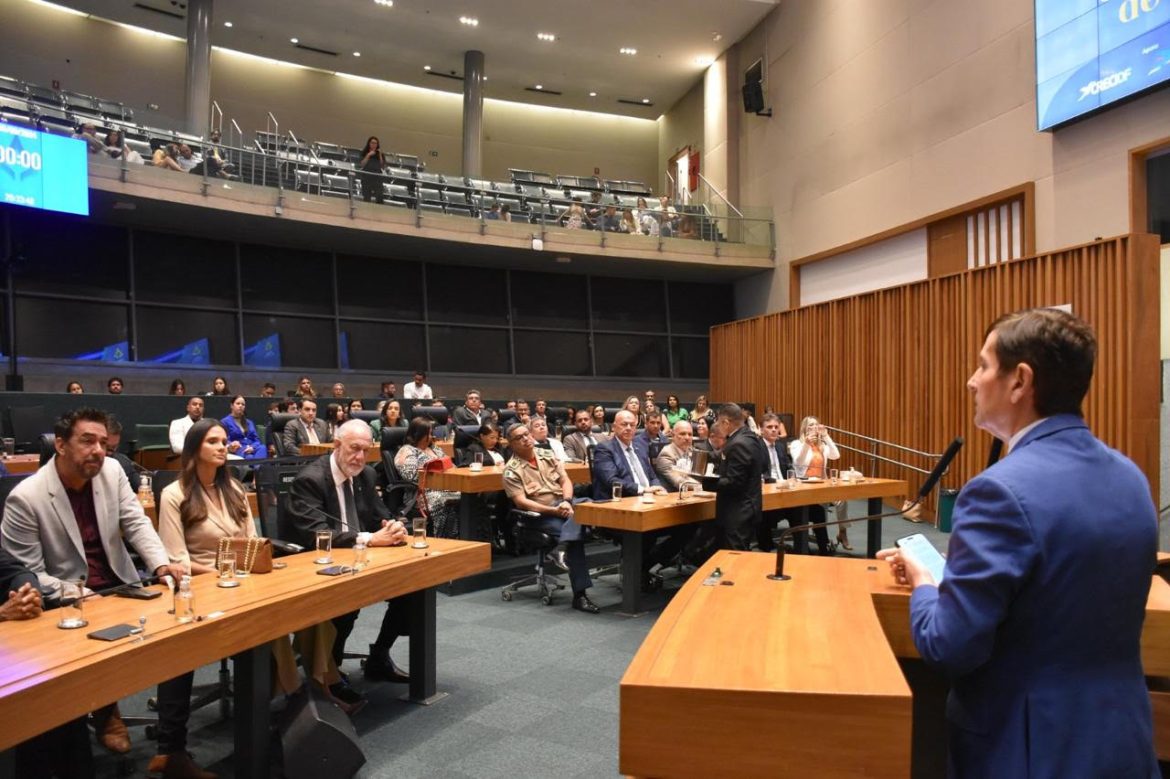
396,42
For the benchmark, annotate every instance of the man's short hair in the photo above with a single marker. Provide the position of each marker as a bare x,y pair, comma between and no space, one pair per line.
730,412
471,392
655,414
113,425
63,427
518,402
112,379
512,430
1060,348
769,417
269,385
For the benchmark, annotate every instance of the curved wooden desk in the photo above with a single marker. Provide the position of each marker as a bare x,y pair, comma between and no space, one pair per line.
751,679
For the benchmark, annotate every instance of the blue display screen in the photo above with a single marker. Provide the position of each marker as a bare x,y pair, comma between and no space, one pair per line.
41,170
1090,53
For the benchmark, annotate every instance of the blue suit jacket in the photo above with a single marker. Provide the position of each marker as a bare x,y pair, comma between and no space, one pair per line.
246,438
609,465
642,440
1039,617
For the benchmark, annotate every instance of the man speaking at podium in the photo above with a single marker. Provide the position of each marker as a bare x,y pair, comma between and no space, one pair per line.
1038,619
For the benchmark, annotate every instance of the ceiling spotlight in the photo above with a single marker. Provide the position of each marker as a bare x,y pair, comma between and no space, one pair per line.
470,21
426,67
227,24
539,86
704,61
546,36
357,54
645,100
387,3
716,36
293,40
592,94
628,51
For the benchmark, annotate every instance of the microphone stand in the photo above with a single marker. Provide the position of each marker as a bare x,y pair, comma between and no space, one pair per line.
779,575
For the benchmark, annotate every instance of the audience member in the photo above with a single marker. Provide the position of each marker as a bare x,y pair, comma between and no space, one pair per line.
538,430
505,212
88,132
178,387
598,416
779,463
810,453
306,429
577,443
628,224
487,443
650,224
609,221
540,409
391,416
574,217
522,414
419,389
343,486
268,390
674,461
243,440
305,388
674,412
472,411
117,149
534,480
24,597
640,208
166,156
389,389
616,462
188,160
650,435
180,426
701,410
114,385
687,229
334,418
75,388
493,213
411,460
338,390
510,405
354,405
372,163
214,153
219,386
113,441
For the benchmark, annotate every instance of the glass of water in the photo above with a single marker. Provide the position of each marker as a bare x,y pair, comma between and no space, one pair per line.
420,533
361,556
225,567
75,617
616,490
324,547
791,481
686,491
834,475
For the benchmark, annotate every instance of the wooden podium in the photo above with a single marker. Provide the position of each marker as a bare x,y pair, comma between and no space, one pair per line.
753,677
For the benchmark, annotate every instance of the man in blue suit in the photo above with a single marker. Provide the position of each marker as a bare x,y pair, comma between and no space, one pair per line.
1039,615
616,460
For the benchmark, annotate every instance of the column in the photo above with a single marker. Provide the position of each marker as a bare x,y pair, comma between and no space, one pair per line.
198,80
473,114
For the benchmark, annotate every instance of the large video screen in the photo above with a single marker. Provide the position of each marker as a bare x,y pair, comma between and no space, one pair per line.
41,170
1090,53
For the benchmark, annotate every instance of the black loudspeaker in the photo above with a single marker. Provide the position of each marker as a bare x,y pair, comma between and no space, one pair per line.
318,739
753,97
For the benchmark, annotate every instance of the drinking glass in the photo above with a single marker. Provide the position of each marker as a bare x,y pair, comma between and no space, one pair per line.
75,617
834,475
361,557
420,533
616,490
790,483
686,491
9,446
324,548
477,462
226,568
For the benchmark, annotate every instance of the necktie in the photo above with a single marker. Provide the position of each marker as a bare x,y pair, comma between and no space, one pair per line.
349,517
312,430
636,467
775,463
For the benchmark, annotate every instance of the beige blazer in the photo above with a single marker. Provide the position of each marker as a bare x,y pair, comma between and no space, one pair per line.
201,540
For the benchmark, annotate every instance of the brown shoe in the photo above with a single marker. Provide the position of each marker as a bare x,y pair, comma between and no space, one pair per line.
177,766
113,732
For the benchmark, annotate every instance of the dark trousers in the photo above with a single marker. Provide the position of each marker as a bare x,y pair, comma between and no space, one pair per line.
174,709
571,535
395,623
816,514
662,546
62,752
372,187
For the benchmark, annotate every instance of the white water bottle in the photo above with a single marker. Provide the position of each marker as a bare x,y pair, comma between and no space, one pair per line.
185,601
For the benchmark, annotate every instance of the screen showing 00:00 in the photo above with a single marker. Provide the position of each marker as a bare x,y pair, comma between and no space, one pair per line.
1090,53
41,170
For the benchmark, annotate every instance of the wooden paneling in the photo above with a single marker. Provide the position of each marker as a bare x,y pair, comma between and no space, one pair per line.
947,246
893,364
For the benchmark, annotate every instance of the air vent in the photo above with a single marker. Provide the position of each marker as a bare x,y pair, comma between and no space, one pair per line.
444,75
303,47
627,101
545,91
164,12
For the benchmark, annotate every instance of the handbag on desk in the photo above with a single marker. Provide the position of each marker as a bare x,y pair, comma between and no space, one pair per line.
253,555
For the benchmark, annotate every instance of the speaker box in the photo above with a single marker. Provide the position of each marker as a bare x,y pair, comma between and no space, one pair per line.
318,739
753,97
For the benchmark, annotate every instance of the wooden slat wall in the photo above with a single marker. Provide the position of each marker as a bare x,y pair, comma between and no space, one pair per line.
893,364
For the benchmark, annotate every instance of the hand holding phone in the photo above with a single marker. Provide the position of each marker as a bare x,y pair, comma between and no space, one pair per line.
919,553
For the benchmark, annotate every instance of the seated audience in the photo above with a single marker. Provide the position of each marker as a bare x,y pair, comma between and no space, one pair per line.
599,423
538,430
419,389
354,405
536,481
651,434
219,386
268,390
493,213
702,410
338,390
411,460
674,461
305,388
616,461
640,208
243,440
75,388
472,411
577,443
487,443
178,387
113,441
628,225
609,221
523,416
117,149
335,417
389,390
114,385
687,228
391,417
634,406
372,164
167,158
180,426
188,160
306,429
505,212
88,132
650,224
779,463
673,412
574,217
540,409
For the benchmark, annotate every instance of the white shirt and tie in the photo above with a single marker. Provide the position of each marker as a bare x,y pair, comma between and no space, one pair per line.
636,468
775,466
346,502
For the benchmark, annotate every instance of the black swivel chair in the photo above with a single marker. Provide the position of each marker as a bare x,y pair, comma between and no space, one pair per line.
557,415
465,436
610,415
528,533
27,424
398,494
437,414
275,435
365,416
507,418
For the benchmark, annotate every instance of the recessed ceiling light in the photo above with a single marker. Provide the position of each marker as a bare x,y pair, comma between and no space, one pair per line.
627,50
293,40
387,3
426,67
470,21
592,94
645,100
357,54
546,36
227,24
704,60
539,86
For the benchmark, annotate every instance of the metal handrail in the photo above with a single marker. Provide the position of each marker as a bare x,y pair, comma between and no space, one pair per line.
873,456
716,193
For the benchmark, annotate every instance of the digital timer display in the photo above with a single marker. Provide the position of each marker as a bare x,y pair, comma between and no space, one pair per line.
41,170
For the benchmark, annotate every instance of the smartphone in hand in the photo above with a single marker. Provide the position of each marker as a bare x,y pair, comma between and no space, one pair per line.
918,547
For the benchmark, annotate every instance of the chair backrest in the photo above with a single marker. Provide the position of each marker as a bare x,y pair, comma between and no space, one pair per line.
48,445
160,481
610,415
507,417
437,414
7,484
275,437
392,439
465,435
364,415
556,414
27,423
273,482
655,450
148,437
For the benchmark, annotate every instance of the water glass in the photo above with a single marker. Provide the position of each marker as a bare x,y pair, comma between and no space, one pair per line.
420,533
834,475
9,446
75,617
361,556
790,483
616,490
686,491
324,547
225,566
477,462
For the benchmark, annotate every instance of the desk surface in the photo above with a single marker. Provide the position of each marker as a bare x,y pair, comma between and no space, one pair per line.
732,680
22,463
491,478
50,676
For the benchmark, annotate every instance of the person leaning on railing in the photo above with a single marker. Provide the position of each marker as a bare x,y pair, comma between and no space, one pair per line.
373,163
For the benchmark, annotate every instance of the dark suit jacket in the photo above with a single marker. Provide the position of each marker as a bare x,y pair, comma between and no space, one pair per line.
1039,618
296,434
312,491
13,574
609,465
475,447
465,416
738,500
642,442
782,457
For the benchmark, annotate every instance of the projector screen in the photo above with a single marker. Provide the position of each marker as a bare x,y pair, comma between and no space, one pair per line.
41,170
1091,53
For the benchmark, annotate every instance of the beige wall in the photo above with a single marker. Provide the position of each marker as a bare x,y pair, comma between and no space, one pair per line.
889,111
94,57
680,127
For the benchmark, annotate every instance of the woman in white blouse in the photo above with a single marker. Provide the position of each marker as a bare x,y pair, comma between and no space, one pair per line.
811,450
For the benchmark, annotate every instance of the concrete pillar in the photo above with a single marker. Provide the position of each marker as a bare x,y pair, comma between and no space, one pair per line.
198,80
473,114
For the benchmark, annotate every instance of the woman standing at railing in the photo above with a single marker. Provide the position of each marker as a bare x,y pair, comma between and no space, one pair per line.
373,162
810,452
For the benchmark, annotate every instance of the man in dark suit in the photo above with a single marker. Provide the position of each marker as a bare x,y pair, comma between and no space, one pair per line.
651,435
779,461
336,493
1038,619
305,430
472,411
742,461
616,460
577,443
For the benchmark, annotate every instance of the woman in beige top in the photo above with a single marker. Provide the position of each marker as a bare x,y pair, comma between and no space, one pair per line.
207,504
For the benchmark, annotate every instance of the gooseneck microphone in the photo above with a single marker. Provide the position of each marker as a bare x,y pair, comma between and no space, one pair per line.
944,463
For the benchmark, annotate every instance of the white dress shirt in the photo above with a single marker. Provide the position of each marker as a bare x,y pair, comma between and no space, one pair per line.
347,523
414,392
178,433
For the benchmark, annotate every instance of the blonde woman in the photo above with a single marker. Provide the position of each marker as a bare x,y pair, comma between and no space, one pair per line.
811,451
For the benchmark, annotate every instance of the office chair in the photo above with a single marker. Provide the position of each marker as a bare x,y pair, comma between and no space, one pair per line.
437,414
275,437
610,414
465,436
27,423
365,416
557,415
507,419
397,493
152,445
528,534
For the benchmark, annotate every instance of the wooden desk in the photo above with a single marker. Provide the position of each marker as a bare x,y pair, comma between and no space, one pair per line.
748,680
373,454
22,463
631,518
490,479
51,676
447,448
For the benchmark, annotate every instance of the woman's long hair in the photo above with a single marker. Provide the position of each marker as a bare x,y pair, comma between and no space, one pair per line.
193,509
418,430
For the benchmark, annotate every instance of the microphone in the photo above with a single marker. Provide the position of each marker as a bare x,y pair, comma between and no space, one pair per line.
931,480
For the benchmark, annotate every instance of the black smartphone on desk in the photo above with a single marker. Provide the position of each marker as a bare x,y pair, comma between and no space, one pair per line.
334,570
